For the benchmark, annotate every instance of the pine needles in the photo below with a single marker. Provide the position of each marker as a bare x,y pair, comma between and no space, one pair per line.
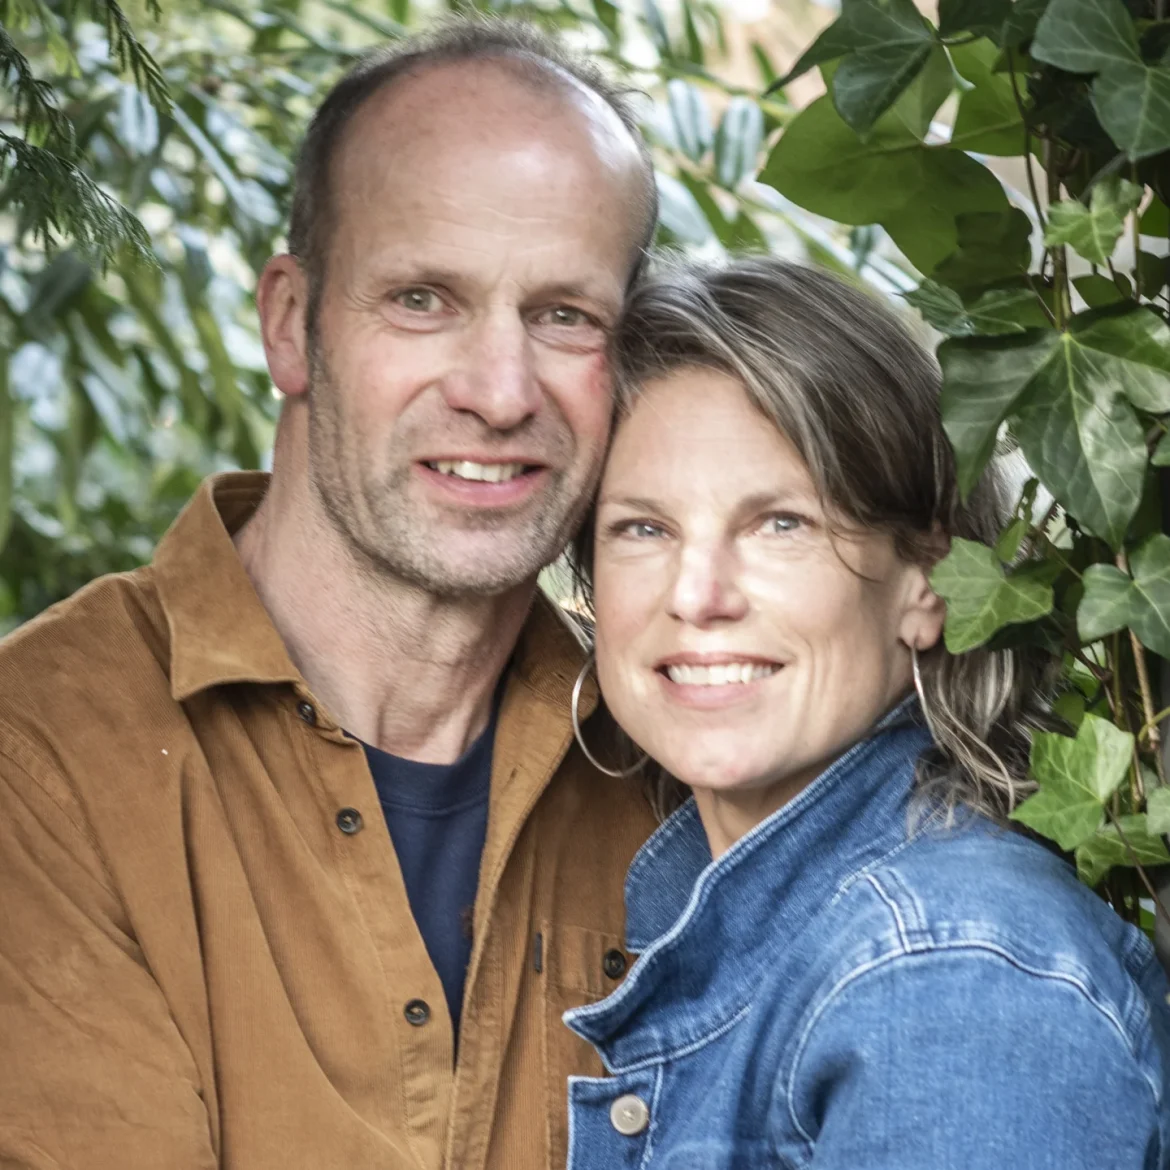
53,199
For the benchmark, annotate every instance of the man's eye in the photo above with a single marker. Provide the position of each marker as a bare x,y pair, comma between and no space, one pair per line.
567,317
419,300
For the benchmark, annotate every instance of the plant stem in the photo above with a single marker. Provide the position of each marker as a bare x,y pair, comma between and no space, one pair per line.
1027,143
1153,722
1137,866
1060,297
1135,222
1147,691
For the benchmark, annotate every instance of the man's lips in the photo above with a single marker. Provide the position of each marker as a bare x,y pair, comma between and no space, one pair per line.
472,470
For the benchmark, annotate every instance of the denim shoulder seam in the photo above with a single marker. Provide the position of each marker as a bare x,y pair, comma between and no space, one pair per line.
923,948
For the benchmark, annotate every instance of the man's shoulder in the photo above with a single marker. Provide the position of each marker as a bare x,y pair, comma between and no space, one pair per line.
104,649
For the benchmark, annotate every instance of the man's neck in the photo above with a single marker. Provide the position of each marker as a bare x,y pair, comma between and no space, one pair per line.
403,670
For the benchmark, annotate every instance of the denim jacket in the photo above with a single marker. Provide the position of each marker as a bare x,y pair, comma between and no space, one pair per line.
845,991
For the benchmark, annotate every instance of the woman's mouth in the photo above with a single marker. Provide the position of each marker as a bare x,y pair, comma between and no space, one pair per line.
718,675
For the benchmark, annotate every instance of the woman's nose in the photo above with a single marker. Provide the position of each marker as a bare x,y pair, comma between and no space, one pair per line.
706,588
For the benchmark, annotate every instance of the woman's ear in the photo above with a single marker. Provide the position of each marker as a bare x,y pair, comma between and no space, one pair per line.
924,612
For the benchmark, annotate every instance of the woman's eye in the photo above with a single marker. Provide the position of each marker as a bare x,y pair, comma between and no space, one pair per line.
639,530
782,522
419,300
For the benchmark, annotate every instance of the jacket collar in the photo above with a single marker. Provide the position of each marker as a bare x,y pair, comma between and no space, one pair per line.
709,929
220,630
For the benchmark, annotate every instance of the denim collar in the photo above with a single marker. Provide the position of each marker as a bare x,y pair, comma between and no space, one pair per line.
709,929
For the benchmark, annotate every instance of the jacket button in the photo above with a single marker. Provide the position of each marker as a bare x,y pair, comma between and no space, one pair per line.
308,713
417,1012
629,1115
349,821
614,964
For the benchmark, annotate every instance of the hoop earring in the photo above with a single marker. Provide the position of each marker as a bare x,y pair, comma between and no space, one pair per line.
921,691
616,774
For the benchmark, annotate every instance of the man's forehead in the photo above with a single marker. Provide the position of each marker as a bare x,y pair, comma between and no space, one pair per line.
514,107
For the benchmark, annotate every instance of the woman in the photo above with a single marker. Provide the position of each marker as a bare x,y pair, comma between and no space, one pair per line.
848,960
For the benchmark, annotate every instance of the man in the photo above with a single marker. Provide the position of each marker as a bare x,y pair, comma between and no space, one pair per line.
244,793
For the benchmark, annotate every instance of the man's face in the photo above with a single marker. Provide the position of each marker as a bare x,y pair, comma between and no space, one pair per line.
459,398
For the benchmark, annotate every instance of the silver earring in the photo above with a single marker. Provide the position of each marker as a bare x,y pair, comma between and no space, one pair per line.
921,690
616,774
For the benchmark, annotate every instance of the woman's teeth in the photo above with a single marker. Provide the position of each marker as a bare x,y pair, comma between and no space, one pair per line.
481,472
721,675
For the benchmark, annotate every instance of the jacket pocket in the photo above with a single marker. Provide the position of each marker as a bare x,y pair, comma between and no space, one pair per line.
577,966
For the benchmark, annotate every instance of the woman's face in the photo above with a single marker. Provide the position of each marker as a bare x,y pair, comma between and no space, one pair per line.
739,642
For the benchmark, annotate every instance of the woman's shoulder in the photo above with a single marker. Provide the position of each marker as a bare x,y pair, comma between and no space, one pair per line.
982,902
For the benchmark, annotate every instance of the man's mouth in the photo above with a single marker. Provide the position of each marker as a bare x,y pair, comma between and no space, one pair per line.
720,675
479,472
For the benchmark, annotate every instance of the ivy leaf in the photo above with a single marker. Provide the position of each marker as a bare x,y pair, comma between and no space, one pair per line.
1020,26
891,43
992,247
1093,231
914,191
982,380
1161,456
1140,599
988,120
997,311
921,99
1083,439
977,16
1158,810
1105,849
981,598
1076,777
1097,290
1086,36
1140,338
884,42
1133,104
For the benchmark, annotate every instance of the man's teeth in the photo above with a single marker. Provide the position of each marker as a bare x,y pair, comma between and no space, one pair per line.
721,675
482,472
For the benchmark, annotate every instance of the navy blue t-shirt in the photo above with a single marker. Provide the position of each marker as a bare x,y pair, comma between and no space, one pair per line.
437,816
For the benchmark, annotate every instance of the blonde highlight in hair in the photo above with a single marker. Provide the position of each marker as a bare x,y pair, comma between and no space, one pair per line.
843,380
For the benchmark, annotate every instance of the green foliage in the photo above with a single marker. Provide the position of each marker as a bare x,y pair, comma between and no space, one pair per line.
1053,309
982,598
1076,778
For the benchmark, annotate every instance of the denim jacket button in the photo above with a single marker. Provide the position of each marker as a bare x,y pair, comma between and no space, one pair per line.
629,1115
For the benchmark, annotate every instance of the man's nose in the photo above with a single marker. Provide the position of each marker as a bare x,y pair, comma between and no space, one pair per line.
497,376
706,588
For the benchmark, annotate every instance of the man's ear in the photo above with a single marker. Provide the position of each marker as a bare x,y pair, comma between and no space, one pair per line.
282,301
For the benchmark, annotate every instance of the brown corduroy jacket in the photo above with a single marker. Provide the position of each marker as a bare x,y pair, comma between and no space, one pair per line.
202,964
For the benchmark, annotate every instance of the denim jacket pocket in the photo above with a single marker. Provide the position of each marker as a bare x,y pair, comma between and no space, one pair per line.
577,966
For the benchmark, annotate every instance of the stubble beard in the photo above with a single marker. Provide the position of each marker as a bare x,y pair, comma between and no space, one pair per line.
393,535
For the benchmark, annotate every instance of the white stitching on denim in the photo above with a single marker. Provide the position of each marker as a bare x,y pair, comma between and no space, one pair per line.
655,1098
903,937
662,1056
932,948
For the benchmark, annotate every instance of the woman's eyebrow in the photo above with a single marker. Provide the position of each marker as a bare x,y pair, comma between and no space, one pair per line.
637,503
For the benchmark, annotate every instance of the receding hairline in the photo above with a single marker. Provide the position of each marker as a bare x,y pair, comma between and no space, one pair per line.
602,109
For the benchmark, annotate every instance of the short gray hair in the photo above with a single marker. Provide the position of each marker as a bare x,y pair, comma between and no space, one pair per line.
535,56
841,377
